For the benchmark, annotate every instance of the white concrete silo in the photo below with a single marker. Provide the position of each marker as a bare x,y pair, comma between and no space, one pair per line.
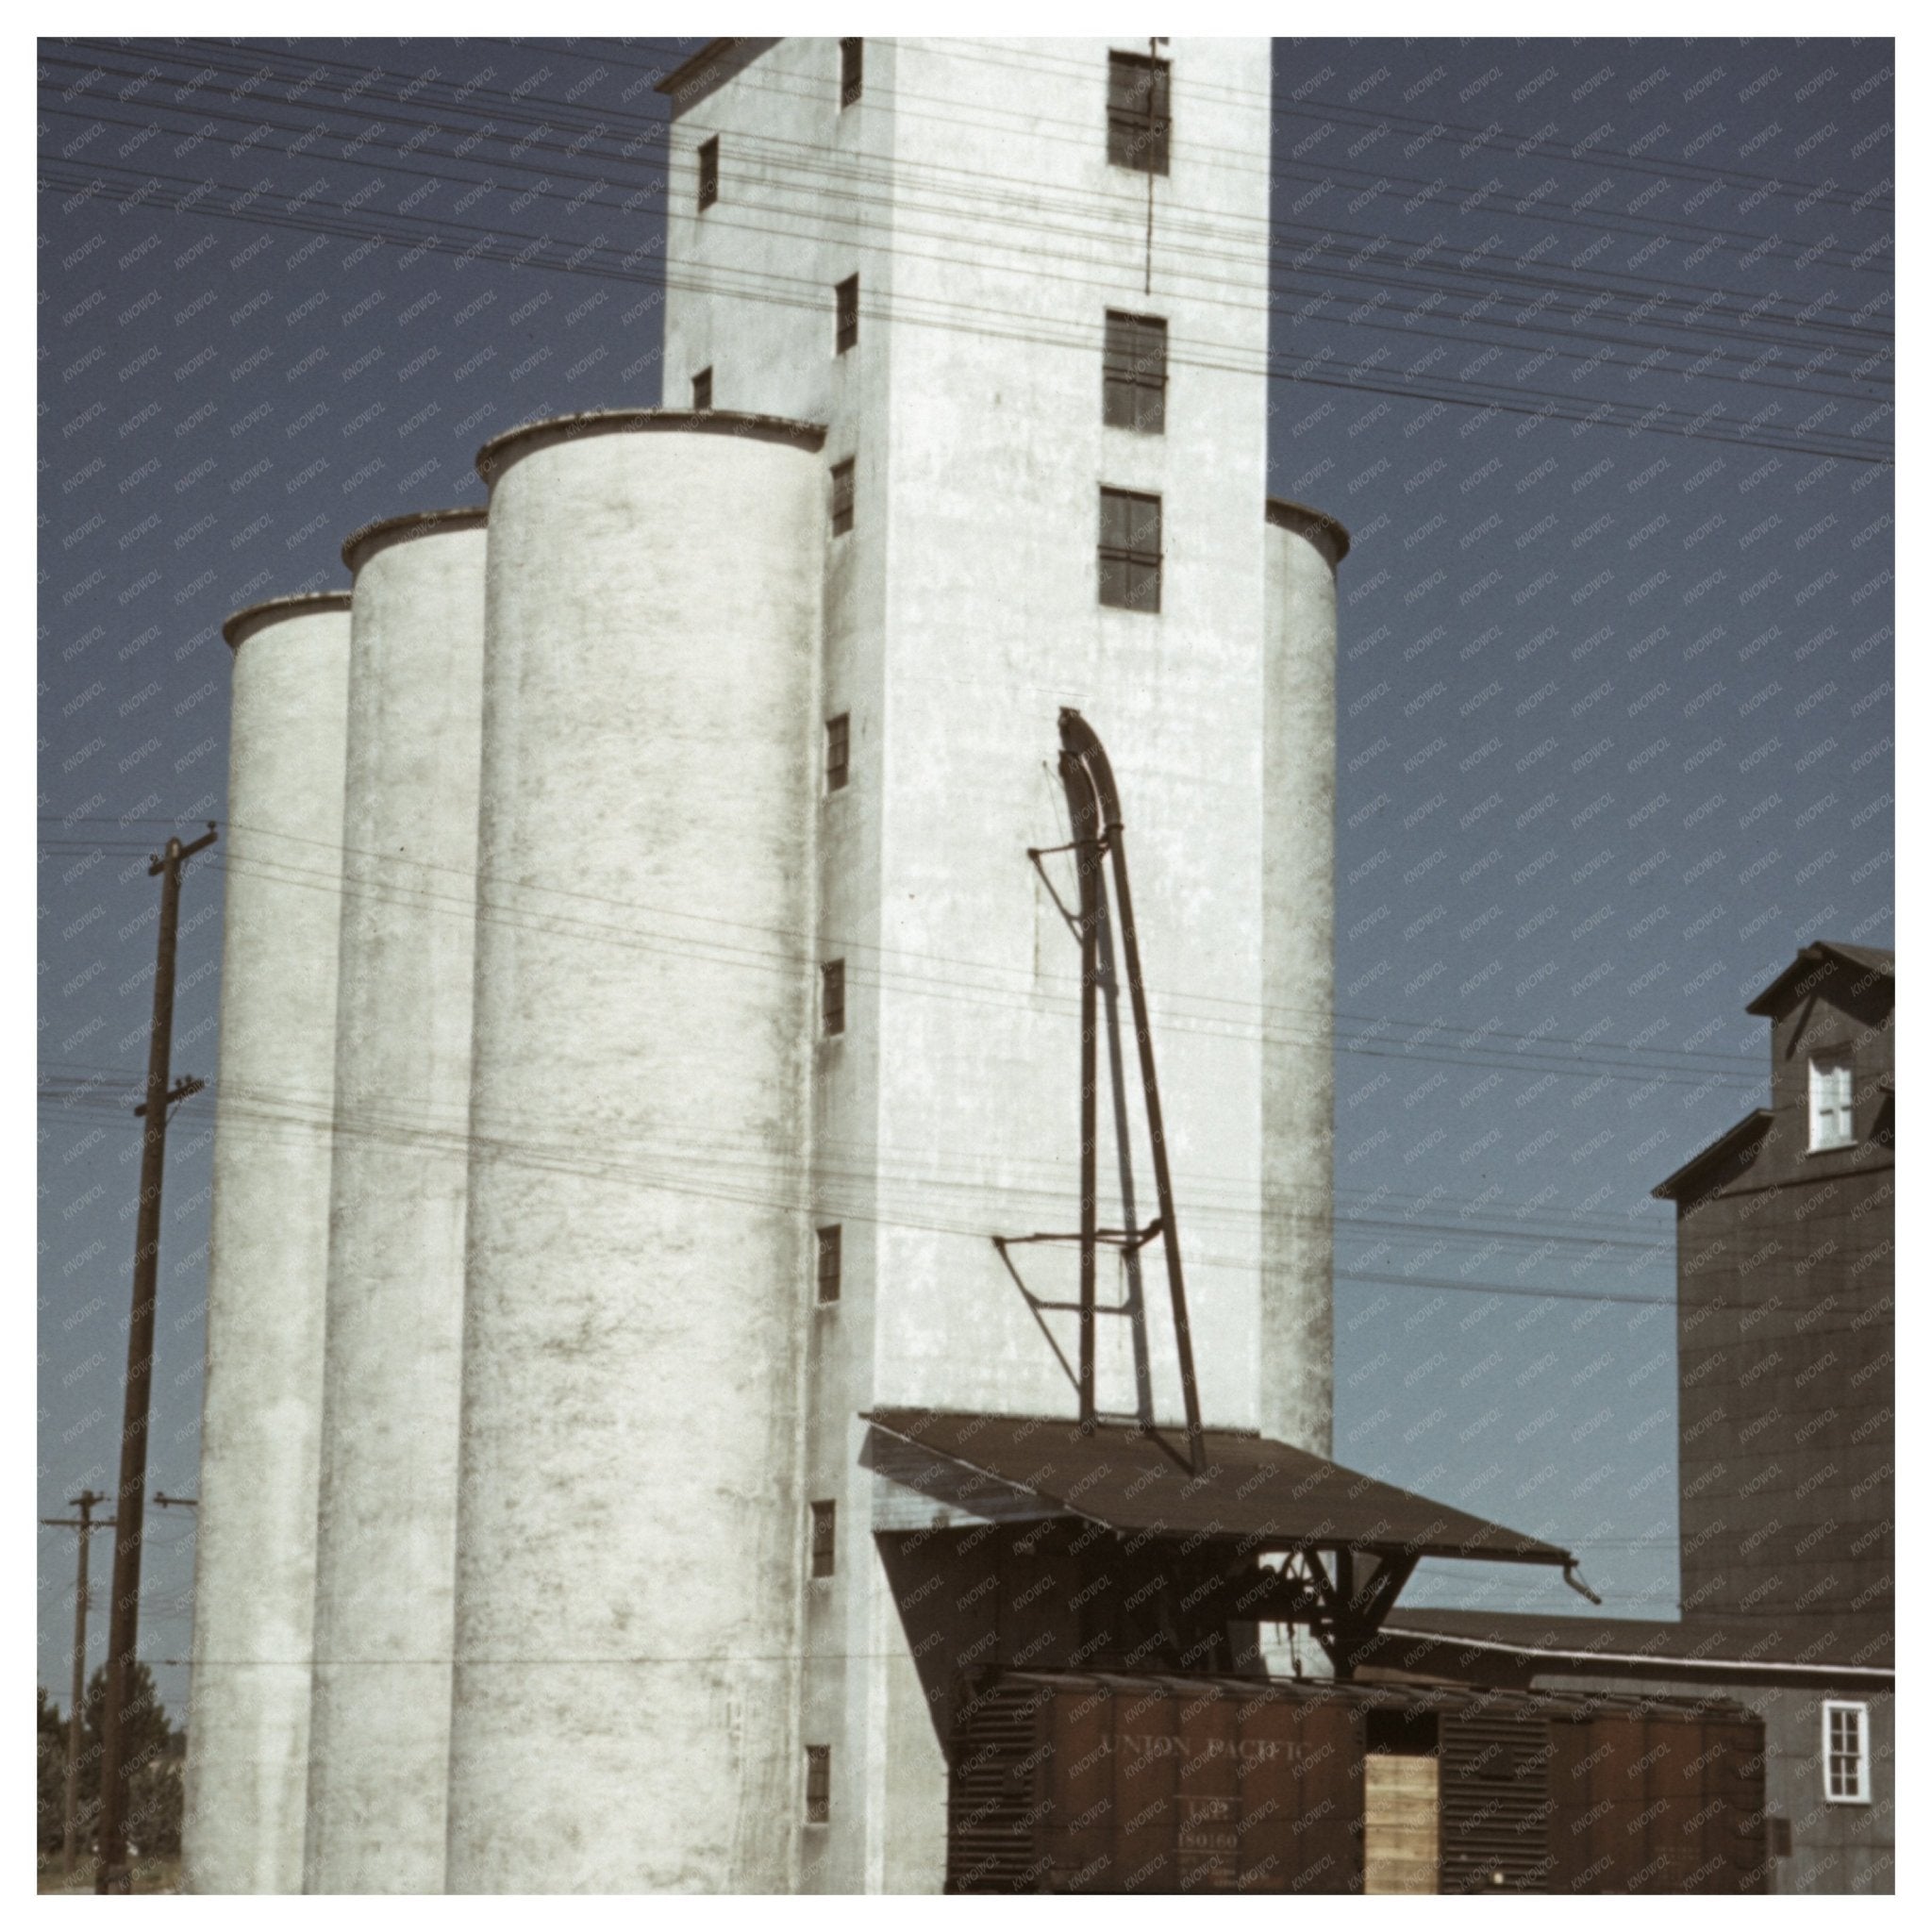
1302,549
630,1528
392,1380
268,1258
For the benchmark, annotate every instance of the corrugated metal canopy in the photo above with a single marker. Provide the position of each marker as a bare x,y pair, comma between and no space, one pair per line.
1253,1491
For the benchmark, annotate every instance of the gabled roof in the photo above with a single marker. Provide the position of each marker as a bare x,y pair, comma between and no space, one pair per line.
1819,953
1736,1145
1255,1491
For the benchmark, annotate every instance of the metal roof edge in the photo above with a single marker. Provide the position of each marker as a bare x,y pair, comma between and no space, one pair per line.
1648,1659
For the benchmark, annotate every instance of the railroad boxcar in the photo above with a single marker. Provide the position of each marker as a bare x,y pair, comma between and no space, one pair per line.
1096,1782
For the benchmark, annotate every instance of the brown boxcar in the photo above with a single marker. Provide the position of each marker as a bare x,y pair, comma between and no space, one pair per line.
1094,1782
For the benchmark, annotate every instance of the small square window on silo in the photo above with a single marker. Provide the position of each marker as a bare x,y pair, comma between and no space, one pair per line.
845,334
838,751
1137,112
831,1262
818,1784
701,389
1134,373
844,489
834,972
708,172
1130,550
824,1539
851,71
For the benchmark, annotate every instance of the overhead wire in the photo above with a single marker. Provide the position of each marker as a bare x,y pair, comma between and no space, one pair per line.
1609,412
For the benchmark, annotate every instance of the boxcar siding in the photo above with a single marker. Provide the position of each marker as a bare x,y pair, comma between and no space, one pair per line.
1083,1784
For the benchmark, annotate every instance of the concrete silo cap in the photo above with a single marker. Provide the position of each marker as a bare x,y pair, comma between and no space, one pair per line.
253,617
1307,521
501,451
361,545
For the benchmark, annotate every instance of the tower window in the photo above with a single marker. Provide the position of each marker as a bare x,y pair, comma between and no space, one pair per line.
1847,1754
708,172
818,1784
1832,1100
1130,550
1136,112
834,991
838,751
831,1262
846,336
844,487
701,389
851,71
1134,372
824,1539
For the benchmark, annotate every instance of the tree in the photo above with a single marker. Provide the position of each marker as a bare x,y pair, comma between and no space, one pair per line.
150,1746
51,1781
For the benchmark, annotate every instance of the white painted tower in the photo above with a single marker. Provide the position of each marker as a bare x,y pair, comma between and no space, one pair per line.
1029,348
629,1540
267,1250
386,1554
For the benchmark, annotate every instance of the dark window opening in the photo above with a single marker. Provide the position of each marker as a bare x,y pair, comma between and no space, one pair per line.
846,336
831,1261
824,1532
838,751
844,483
835,996
1133,379
1401,1733
1129,550
818,1784
708,172
701,389
851,71
1136,112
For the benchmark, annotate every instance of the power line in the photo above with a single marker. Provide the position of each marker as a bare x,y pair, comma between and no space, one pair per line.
465,879
1554,405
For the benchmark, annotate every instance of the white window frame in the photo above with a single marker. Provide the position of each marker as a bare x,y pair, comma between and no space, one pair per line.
1860,1761
1832,1119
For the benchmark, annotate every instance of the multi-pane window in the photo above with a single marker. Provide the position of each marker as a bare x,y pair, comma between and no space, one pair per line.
1847,1754
851,71
824,1538
1129,550
701,389
1134,372
831,1262
1136,112
838,751
1832,1100
833,974
818,1784
844,487
846,334
708,172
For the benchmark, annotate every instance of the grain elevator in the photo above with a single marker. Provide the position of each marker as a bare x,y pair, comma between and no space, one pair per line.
655,1282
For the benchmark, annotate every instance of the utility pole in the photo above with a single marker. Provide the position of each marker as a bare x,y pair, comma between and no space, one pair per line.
85,1524
123,1609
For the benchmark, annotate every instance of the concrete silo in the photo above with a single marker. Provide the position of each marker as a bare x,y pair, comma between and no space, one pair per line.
386,1539
630,1533
1304,547
268,1258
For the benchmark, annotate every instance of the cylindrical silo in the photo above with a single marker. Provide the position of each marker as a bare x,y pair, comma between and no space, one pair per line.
268,1251
630,1534
378,1751
1297,1394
